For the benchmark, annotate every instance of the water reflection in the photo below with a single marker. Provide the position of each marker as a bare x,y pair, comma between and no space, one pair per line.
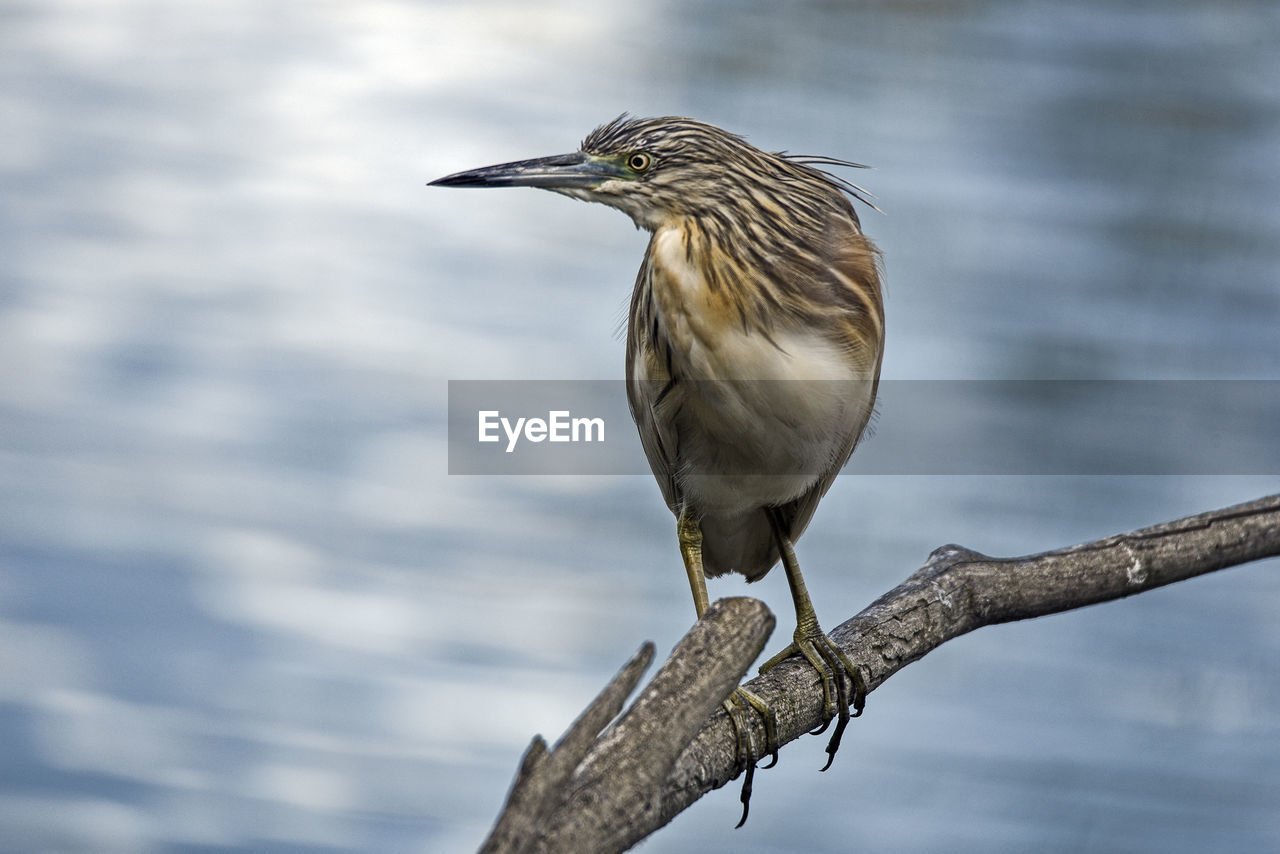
242,606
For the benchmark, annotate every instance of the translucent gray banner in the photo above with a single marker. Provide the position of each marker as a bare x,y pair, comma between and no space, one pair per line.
921,427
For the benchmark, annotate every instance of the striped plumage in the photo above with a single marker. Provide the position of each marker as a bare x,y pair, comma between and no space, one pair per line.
754,342
758,252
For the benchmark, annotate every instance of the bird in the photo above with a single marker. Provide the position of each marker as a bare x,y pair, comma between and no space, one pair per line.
754,341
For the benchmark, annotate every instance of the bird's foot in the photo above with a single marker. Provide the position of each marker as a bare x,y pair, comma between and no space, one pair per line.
839,677
740,703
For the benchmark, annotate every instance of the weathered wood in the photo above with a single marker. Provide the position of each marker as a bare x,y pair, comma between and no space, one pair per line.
619,784
670,749
539,787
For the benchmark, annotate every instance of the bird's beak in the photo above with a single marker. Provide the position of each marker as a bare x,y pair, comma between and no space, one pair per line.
560,172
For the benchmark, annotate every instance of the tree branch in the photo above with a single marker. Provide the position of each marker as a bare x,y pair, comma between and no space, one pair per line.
656,761
615,784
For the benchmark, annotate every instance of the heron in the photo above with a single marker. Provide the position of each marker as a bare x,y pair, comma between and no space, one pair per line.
754,341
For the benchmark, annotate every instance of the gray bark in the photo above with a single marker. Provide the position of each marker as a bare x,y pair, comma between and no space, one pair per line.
606,791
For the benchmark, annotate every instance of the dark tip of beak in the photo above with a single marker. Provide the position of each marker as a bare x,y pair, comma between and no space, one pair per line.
561,171
461,179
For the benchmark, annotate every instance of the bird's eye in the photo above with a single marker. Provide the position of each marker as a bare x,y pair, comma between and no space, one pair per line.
639,162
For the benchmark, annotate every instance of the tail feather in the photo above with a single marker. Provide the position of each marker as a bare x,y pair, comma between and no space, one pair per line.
742,544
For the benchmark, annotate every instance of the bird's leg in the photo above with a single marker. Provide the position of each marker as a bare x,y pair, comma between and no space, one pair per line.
689,533
829,660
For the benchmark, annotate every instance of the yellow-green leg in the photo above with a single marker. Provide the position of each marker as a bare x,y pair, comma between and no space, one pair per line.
833,666
689,532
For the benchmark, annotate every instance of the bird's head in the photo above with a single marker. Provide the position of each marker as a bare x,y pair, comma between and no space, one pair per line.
660,169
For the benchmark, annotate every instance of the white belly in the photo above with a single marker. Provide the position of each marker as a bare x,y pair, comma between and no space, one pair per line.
754,421
746,443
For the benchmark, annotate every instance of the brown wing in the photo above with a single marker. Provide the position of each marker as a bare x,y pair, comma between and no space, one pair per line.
747,545
650,387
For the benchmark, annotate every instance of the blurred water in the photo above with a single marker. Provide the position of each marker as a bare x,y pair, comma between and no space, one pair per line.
242,605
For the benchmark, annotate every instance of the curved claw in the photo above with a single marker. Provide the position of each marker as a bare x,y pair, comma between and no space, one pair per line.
834,744
842,708
745,797
842,684
745,745
770,718
859,692
736,705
